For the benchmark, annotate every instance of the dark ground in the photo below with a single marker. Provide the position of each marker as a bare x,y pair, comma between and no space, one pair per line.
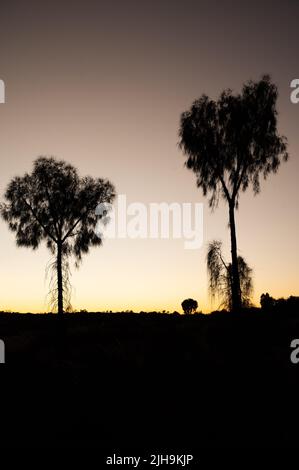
150,381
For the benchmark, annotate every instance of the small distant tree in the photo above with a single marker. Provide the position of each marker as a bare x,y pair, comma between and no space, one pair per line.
221,277
189,306
53,204
267,302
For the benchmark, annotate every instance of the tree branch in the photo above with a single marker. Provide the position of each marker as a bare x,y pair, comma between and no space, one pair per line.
226,192
223,262
52,212
73,227
39,221
238,184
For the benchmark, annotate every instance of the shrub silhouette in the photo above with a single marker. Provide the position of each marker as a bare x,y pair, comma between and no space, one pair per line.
289,305
189,306
267,302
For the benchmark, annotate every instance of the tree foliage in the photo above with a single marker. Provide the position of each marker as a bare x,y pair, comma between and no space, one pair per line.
231,142
221,279
53,204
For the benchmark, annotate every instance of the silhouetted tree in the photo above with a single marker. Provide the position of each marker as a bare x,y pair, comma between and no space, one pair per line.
189,306
229,143
55,205
267,302
221,277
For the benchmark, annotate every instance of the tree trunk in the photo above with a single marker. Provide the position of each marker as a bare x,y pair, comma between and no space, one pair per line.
236,290
59,278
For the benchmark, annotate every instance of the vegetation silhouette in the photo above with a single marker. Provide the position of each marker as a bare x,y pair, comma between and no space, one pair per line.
189,306
267,302
229,144
284,306
221,277
237,366
53,204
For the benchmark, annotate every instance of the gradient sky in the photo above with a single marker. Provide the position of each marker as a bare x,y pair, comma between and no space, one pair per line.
102,85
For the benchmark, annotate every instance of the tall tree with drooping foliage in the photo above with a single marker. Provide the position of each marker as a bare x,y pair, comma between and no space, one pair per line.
230,144
221,279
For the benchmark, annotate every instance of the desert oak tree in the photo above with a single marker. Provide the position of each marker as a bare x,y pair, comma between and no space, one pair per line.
229,144
53,204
